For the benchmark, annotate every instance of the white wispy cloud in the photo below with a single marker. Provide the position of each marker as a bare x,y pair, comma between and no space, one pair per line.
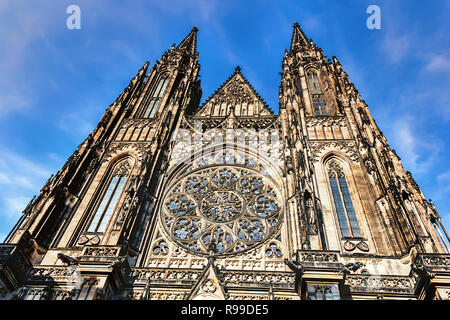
13,163
20,25
77,123
20,179
125,50
445,176
205,10
313,23
418,153
440,196
13,99
396,46
4,179
15,206
438,63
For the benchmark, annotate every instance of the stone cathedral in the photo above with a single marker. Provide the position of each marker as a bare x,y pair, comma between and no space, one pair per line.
168,199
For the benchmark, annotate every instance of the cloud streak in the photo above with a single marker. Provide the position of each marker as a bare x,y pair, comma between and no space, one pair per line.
439,63
418,153
396,46
20,178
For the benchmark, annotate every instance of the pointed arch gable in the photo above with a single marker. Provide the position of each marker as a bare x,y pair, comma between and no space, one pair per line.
345,150
121,150
236,94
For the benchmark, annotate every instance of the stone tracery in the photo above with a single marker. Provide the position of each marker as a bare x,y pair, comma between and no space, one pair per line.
222,210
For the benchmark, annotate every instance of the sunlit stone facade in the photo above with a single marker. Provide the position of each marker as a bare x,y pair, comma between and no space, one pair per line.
167,199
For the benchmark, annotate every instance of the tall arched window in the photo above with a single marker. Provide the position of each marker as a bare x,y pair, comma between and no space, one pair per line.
316,94
155,100
343,202
110,197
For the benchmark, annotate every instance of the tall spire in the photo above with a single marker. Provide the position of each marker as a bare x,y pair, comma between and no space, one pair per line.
298,37
189,44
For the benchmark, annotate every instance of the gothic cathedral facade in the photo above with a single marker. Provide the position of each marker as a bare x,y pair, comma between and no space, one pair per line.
167,199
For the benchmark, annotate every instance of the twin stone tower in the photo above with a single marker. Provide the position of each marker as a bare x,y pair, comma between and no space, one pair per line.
167,199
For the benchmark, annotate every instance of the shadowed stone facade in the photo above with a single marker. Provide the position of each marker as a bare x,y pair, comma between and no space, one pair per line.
167,199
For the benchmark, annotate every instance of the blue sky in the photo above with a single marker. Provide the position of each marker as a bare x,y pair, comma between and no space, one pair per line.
55,83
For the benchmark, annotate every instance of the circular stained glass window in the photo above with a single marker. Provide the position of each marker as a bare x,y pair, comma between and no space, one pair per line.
222,210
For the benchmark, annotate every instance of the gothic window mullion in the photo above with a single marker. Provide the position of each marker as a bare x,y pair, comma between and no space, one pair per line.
163,88
149,108
106,199
155,100
316,94
323,110
109,199
158,88
343,203
348,204
112,204
342,217
108,205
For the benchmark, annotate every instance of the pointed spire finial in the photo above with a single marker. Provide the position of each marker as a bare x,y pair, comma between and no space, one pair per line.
189,44
143,70
145,66
237,69
298,37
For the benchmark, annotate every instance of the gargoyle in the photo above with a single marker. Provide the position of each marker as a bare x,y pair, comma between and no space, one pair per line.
351,267
294,266
67,259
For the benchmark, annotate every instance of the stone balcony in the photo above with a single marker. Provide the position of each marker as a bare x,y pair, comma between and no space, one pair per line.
429,277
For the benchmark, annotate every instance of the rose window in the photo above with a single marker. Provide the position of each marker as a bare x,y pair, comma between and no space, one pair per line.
222,206
222,210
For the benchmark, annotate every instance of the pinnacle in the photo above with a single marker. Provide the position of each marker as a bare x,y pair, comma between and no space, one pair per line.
189,44
298,37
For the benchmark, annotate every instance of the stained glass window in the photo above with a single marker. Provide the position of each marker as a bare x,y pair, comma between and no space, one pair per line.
110,198
316,94
319,105
343,202
314,83
224,209
154,102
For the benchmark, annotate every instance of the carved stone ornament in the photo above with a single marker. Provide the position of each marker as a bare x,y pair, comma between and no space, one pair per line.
116,148
326,121
319,149
352,245
363,246
349,246
89,239
236,93
209,286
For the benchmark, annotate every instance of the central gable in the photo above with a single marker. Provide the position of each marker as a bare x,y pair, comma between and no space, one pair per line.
235,95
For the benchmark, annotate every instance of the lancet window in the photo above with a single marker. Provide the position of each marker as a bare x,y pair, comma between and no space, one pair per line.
343,202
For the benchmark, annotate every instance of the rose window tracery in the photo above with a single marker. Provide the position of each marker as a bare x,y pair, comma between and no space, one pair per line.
222,210
222,206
